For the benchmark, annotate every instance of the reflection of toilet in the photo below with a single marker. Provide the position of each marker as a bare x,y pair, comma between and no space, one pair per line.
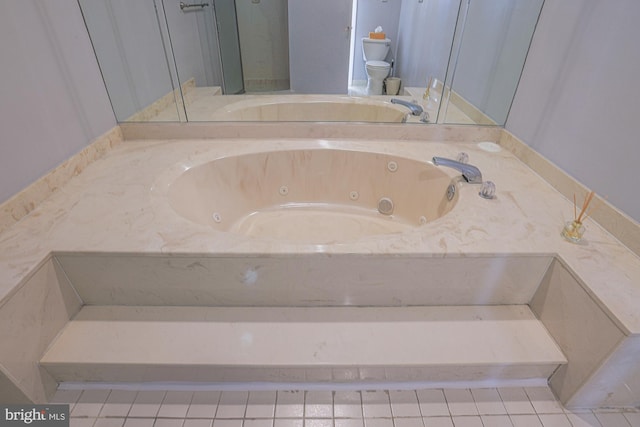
374,52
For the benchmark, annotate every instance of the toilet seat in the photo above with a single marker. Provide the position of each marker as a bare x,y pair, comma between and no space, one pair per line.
377,64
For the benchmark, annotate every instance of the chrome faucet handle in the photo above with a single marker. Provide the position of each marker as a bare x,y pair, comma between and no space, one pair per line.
488,190
462,157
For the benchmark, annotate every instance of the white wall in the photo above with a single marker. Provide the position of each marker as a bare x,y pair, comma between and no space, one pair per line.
319,46
577,102
424,40
52,98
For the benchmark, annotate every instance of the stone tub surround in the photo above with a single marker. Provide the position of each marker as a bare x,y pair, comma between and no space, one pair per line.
108,208
28,199
614,221
365,131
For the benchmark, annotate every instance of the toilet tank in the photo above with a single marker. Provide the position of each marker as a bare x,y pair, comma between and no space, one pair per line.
375,50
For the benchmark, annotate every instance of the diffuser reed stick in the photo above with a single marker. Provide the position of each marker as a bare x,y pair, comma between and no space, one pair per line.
593,209
573,230
585,205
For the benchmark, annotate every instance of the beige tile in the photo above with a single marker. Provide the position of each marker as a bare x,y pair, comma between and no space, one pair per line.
139,422
433,403
203,404
554,420
488,401
467,421
633,418
460,402
378,422
376,404
348,422
318,404
583,419
318,422
227,423
288,422
232,404
496,421
516,401
69,397
258,423
525,421
290,404
90,403
118,403
207,422
543,400
261,404
347,404
109,422
175,404
609,419
147,404
408,422
404,403
437,422
168,422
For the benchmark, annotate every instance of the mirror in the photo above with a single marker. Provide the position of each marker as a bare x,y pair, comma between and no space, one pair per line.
457,61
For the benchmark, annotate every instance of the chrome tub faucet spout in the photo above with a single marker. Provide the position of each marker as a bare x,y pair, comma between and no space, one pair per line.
469,172
416,110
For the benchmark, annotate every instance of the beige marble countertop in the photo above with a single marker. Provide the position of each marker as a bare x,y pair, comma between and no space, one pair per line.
204,104
117,205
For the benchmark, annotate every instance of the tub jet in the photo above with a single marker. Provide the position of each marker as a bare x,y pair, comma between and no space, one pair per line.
385,206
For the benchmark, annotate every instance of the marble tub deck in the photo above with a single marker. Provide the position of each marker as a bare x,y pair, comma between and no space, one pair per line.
116,205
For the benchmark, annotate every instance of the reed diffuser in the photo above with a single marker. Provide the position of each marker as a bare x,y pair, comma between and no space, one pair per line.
574,230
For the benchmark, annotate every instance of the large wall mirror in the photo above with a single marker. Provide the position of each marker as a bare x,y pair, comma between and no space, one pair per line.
428,61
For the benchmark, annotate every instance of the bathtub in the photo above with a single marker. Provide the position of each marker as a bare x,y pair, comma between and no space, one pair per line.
313,195
315,108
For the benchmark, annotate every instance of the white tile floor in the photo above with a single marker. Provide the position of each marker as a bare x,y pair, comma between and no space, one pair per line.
486,407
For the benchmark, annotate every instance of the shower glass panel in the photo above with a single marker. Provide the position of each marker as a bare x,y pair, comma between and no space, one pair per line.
493,45
229,45
129,48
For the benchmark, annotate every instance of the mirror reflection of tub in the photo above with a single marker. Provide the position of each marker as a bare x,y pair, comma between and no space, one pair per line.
317,108
316,196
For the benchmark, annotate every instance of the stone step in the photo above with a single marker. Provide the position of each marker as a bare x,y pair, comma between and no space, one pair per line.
285,344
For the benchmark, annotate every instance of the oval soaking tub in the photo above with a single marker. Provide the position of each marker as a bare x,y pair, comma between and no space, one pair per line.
316,108
315,196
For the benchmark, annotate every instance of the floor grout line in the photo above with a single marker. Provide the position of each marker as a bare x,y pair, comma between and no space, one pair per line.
542,396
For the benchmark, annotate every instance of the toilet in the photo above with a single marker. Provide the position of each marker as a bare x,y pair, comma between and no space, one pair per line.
374,52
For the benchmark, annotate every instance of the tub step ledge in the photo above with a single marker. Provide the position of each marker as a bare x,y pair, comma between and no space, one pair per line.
325,344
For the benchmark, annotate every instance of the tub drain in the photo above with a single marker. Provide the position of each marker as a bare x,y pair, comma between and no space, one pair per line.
385,206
